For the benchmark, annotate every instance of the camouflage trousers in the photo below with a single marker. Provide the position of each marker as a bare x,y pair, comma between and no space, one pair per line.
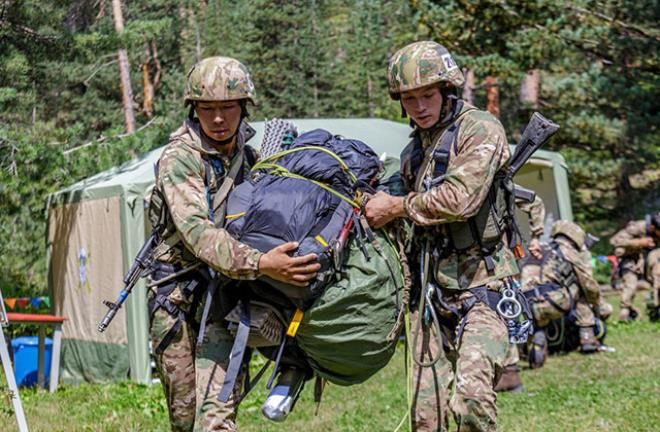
176,368
627,283
429,411
211,367
512,355
545,311
472,365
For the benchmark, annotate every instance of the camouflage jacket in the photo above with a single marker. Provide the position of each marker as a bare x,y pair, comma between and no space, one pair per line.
627,241
548,270
479,152
181,182
535,212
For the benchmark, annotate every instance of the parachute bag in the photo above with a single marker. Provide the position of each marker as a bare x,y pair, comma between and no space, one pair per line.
346,333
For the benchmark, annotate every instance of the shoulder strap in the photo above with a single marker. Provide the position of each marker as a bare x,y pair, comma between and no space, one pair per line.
437,157
219,200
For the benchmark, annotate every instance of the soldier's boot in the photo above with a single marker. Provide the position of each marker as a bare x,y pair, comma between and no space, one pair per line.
628,314
510,380
538,350
588,342
279,402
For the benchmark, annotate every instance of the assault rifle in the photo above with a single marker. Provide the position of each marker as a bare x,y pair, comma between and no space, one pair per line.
139,269
537,132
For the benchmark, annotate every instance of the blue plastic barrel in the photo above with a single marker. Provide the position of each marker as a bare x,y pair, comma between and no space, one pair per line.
26,359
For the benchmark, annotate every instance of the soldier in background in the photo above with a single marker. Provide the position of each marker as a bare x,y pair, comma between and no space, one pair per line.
205,157
636,248
562,284
445,192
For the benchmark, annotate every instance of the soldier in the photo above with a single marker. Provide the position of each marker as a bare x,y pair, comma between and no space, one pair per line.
560,284
635,247
535,211
449,169
205,157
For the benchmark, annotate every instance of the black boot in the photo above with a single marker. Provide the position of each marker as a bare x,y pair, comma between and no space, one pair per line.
538,350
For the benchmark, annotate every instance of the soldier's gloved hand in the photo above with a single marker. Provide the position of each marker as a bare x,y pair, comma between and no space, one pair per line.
382,208
278,265
534,248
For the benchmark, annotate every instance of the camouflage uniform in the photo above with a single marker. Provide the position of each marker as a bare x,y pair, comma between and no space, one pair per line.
566,271
634,262
477,352
187,183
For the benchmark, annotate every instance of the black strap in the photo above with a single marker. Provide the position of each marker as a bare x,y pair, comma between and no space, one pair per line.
169,336
237,354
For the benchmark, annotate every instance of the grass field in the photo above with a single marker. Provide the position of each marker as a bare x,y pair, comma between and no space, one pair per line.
605,392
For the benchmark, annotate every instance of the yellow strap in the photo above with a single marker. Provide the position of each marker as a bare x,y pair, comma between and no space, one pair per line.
235,215
295,323
276,156
321,240
278,170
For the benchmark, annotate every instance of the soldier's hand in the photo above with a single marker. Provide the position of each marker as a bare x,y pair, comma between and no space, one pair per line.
278,265
647,243
534,248
382,208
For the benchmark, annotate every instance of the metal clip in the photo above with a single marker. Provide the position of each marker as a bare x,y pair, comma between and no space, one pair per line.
509,307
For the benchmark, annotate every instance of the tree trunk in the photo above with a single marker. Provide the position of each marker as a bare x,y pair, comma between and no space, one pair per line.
124,72
370,98
468,89
492,96
147,86
530,88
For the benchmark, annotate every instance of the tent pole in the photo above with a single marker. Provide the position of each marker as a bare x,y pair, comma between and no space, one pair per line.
9,370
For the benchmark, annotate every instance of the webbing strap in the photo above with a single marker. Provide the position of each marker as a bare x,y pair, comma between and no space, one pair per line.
220,198
439,155
210,292
237,354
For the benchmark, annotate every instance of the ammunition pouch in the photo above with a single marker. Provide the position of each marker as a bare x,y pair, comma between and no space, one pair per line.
484,229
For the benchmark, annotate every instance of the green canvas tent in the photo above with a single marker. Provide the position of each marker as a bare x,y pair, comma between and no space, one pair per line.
96,226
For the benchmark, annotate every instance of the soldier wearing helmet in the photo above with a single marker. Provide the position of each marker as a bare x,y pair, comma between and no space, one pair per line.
561,284
636,247
449,169
203,160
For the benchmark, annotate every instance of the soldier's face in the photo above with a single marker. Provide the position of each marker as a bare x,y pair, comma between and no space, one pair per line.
219,119
423,105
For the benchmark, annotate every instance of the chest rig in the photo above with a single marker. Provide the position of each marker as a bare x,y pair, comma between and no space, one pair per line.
421,170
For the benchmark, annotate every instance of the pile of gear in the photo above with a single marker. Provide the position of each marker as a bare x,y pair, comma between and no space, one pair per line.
343,326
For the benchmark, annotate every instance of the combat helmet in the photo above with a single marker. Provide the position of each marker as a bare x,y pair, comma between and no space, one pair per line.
219,79
420,64
570,230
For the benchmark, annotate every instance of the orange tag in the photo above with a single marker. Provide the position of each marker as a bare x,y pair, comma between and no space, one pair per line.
518,251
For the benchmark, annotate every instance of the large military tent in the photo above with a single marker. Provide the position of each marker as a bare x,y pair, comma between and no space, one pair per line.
96,226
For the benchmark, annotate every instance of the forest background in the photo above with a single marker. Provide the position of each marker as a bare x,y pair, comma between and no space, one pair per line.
591,66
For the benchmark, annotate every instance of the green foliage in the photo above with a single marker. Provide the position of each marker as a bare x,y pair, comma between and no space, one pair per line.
60,98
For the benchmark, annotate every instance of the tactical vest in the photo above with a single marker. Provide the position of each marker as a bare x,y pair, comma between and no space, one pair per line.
561,275
421,172
158,214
